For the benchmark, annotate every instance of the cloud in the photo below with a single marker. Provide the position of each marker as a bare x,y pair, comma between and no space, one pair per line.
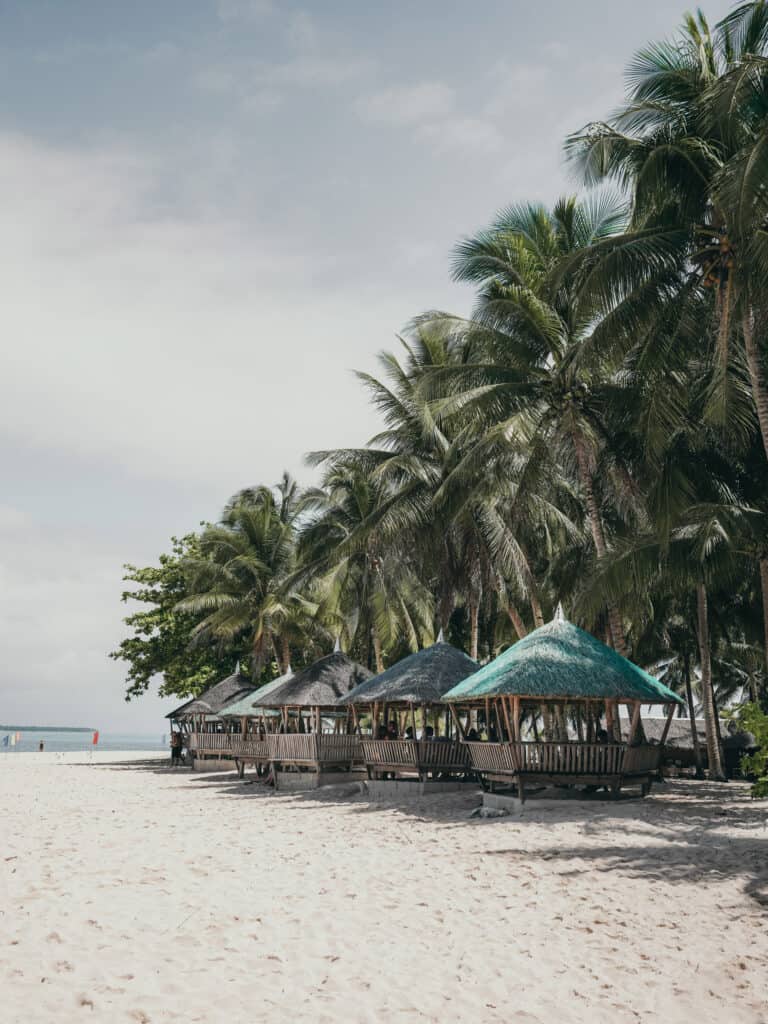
408,104
302,30
470,135
312,72
513,88
243,10
430,109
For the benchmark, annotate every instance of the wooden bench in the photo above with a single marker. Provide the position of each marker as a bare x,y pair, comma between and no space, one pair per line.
565,763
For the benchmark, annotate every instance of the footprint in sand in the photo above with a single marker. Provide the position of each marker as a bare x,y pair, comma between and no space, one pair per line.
53,937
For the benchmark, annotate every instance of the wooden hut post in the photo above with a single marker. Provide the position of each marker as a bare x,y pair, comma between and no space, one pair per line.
665,733
457,721
413,720
488,718
516,717
609,720
507,722
617,721
634,722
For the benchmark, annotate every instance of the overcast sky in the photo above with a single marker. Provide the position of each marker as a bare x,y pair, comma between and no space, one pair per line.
213,212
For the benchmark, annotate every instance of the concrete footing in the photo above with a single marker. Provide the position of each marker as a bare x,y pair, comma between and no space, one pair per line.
298,782
212,765
410,789
500,802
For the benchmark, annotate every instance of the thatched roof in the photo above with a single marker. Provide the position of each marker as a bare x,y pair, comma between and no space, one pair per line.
679,735
216,697
420,678
319,685
562,662
250,704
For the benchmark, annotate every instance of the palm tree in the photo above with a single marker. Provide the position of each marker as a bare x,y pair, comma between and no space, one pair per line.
242,576
538,389
363,587
691,147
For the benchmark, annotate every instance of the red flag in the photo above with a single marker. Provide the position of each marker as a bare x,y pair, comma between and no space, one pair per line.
96,737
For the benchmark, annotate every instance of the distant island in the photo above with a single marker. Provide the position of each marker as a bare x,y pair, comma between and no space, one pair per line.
42,728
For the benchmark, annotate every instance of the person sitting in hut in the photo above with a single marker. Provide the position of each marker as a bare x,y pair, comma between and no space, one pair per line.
473,736
381,733
408,735
602,736
392,730
176,744
429,733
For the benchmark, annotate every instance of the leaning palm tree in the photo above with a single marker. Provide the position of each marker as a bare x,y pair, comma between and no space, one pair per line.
537,389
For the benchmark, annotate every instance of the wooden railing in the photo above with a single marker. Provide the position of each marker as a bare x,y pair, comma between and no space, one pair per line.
210,742
642,759
419,755
314,748
251,746
571,758
492,757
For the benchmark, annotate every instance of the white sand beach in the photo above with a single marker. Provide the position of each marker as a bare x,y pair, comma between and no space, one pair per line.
133,893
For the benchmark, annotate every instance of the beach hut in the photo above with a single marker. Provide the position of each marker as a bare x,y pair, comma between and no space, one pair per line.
393,699
199,719
527,696
313,736
250,745
679,749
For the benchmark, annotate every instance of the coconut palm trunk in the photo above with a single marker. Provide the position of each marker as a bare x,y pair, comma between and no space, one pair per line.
538,614
692,713
285,654
598,537
377,650
517,621
474,627
707,692
756,376
764,592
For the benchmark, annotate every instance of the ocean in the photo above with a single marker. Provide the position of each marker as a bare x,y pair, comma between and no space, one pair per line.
78,741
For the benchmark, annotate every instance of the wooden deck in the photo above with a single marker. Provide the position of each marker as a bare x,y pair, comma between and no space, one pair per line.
602,764
420,757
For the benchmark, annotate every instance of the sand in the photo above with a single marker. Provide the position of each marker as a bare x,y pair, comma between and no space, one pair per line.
131,892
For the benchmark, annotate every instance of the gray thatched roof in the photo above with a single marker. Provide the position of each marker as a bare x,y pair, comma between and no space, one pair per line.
679,735
216,697
251,704
420,678
560,661
319,685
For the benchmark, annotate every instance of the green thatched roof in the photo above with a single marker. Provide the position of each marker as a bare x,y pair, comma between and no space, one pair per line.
249,705
216,697
563,662
420,678
319,685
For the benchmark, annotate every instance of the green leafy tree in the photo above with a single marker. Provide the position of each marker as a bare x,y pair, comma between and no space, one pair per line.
159,644
240,582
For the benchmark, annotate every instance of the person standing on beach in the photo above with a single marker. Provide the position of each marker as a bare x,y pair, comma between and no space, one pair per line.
176,743
41,746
